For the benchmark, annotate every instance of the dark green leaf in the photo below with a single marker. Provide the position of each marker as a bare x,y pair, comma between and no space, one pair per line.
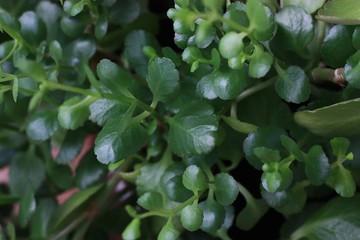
74,7
260,19
70,147
236,13
27,208
260,63
8,199
191,217
293,85
317,167
193,130
151,201
340,12
132,231
352,69
50,13
276,199
337,219
168,232
72,204
205,33
331,120
74,112
41,125
214,216
32,28
337,46
41,217
101,27
194,178
89,171
296,200
55,50
113,77
129,10
356,38
120,137
226,189
26,173
263,137
163,79
174,190
342,181
104,109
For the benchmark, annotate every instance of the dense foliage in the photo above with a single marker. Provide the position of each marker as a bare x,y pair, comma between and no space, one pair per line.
108,131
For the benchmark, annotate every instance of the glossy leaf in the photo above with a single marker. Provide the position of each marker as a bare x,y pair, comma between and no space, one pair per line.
32,27
27,208
41,218
226,189
101,27
337,46
193,130
260,63
104,109
55,50
113,77
175,190
89,171
317,167
168,232
129,10
205,33
42,125
292,147
194,178
191,217
74,112
352,69
151,201
337,219
214,216
293,85
258,16
310,6
340,12
120,137
231,44
263,137
330,121
163,79
340,145
74,7
70,147
267,155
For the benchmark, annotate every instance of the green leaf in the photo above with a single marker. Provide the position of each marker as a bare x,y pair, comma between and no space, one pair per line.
310,6
225,84
342,181
267,155
32,28
295,200
134,44
260,63
41,125
340,145
113,77
27,208
27,173
231,44
70,147
292,147
214,216
55,50
168,232
191,217
8,199
194,178
205,34
163,79
151,201
41,218
268,137
74,7
259,19
337,219
337,46
276,177
356,38
71,205
15,88
104,109
101,27
293,85
317,167
175,190
50,13
226,189
74,112
132,231
120,137
193,130
129,10
89,172
331,120
352,70
32,69
236,13
340,12
271,181
276,199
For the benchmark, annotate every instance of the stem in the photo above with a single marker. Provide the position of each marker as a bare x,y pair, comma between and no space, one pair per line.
336,76
250,91
10,53
54,85
70,227
93,81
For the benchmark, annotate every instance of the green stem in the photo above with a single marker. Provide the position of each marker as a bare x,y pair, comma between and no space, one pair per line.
58,86
255,89
93,81
336,76
10,53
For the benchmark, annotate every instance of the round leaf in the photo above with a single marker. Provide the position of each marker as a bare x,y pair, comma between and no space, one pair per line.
168,232
317,167
226,189
175,190
132,231
151,201
194,178
214,216
41,125
191,217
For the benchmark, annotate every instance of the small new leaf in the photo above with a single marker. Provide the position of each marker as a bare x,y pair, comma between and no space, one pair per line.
317,167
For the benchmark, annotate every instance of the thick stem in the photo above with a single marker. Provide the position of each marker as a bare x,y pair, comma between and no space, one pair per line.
319,75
